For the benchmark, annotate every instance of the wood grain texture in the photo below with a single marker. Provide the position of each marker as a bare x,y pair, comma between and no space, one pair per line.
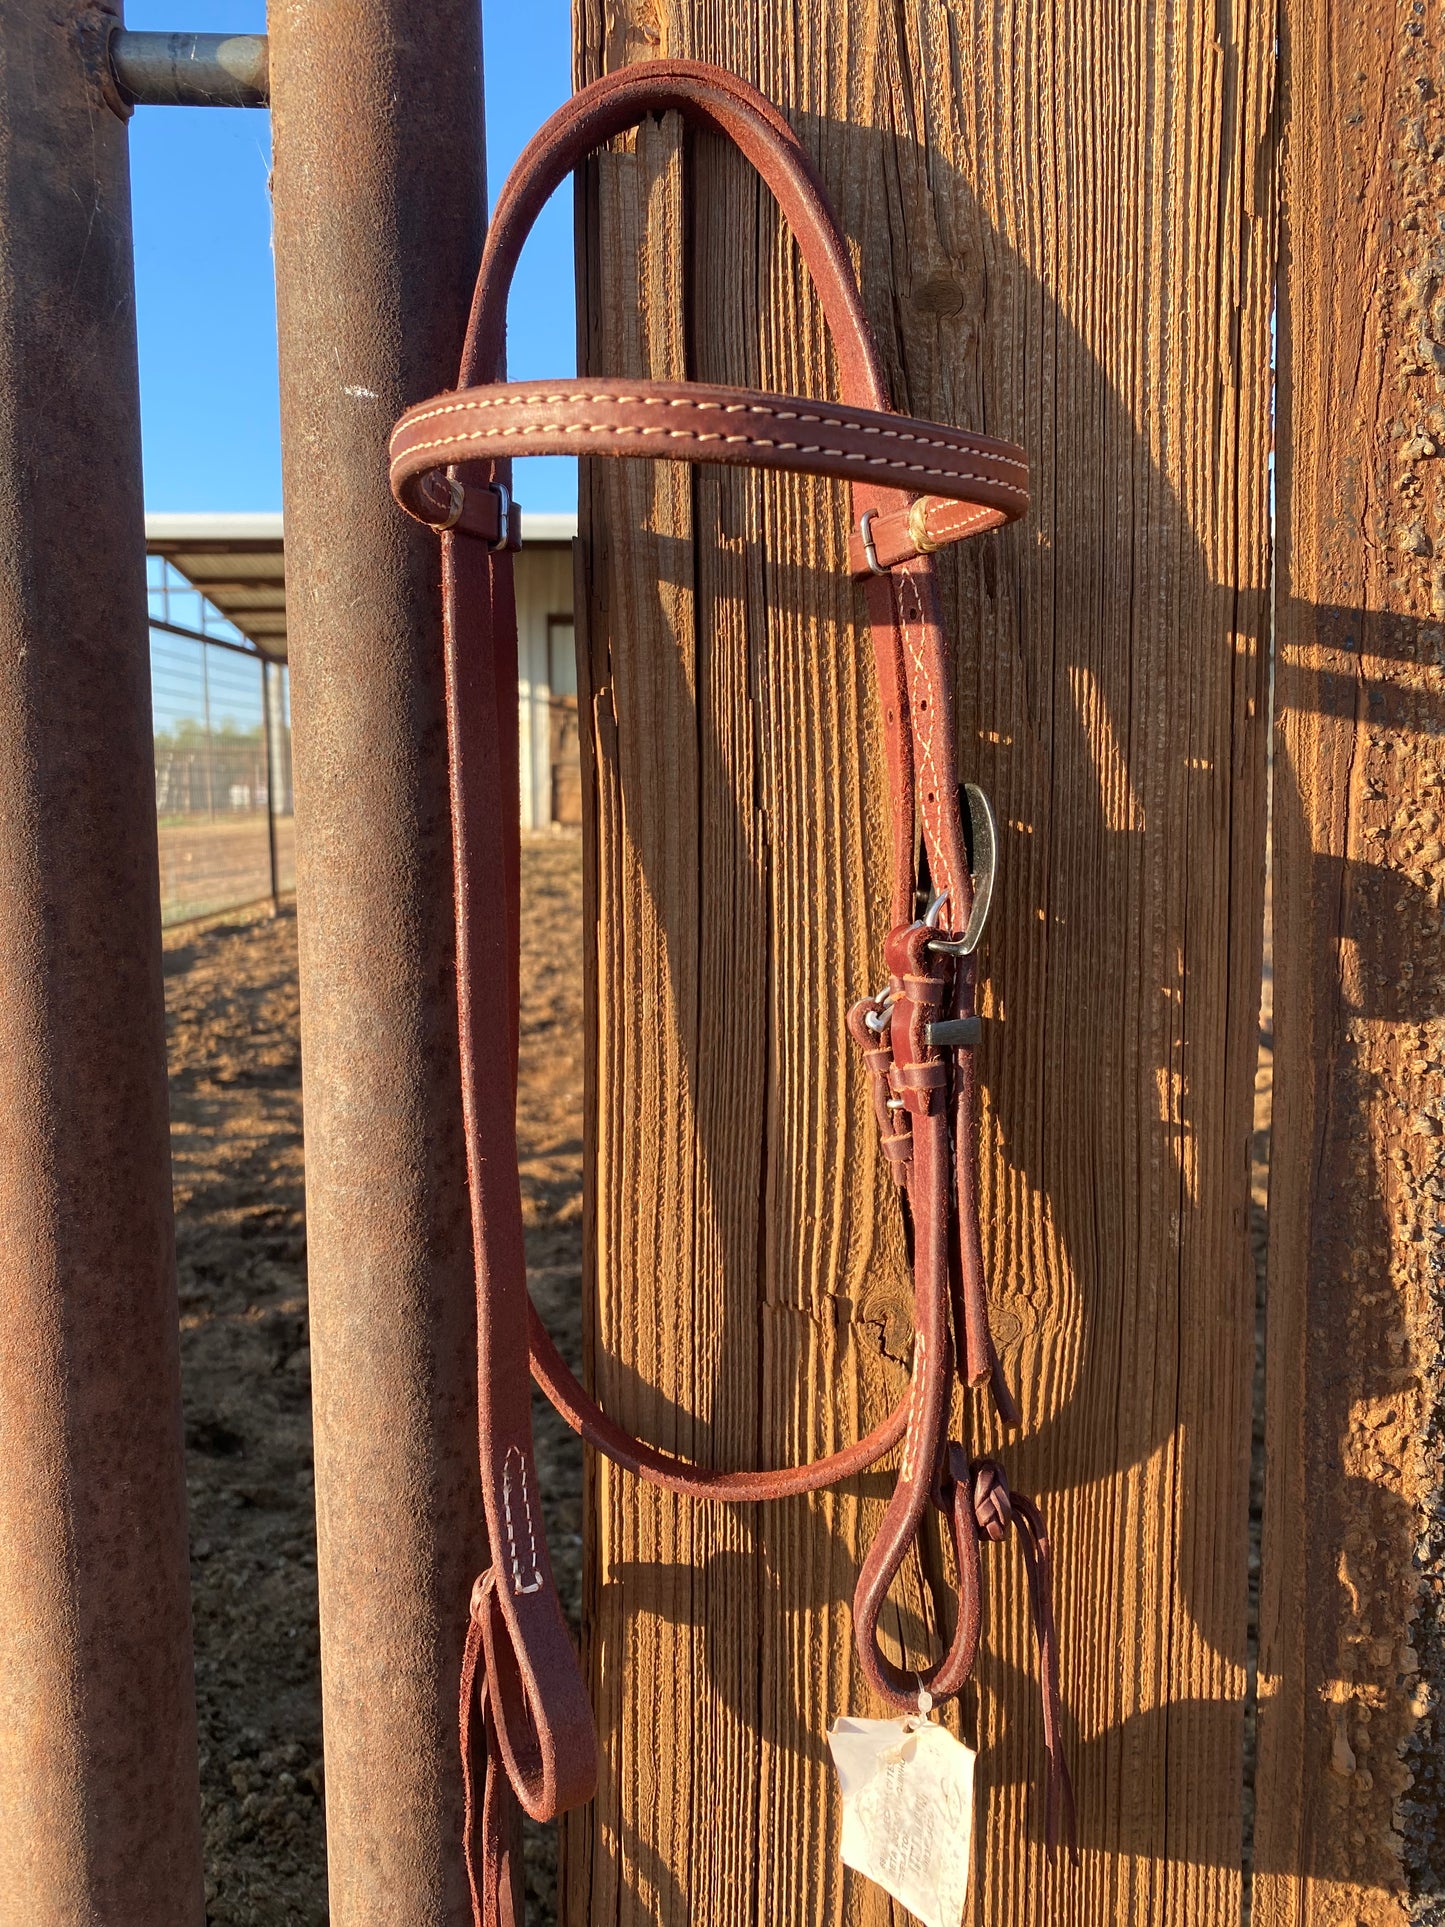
1351,1823
1062,217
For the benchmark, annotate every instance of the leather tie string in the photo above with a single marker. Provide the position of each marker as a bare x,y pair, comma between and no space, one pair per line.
976,1499
528,1740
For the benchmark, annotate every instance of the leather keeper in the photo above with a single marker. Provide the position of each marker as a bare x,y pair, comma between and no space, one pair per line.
926,993
478,511
926,525
919,1085
918,1077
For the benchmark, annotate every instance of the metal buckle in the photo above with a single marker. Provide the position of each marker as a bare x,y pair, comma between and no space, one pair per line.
457,501
985,867
865,535
504,514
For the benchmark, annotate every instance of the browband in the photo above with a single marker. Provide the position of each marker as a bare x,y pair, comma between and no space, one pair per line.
690,421
915,485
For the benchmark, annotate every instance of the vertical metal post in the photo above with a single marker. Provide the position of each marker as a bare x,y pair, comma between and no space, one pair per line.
379,212
210,740
98,1772
268,727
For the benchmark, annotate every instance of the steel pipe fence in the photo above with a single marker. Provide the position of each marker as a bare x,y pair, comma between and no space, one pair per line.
222,722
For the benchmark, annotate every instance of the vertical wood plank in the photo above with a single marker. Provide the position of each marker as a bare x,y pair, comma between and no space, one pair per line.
1063,221
1350,1826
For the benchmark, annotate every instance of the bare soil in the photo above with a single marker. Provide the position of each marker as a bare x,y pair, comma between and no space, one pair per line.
207,865
231,1001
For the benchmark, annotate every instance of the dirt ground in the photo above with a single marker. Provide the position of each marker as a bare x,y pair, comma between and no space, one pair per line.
241,1242
207,864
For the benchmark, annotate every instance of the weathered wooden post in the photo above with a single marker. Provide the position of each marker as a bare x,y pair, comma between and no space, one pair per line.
99,1796
1064,239
377,117
1351,1813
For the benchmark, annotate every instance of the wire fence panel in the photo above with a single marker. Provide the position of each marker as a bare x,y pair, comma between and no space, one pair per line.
223,775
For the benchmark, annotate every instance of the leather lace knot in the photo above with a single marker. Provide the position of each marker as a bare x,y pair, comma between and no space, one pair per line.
978,1491
991,1506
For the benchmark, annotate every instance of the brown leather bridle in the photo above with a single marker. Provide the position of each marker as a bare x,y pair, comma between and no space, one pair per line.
915,485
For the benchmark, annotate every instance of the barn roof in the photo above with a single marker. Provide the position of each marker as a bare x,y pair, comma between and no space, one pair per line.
238,564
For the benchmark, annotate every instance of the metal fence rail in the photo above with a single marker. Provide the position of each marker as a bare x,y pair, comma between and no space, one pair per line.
222,758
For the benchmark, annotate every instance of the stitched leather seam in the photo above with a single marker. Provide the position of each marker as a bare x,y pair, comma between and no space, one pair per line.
696,435
537,1581
960,441
944,528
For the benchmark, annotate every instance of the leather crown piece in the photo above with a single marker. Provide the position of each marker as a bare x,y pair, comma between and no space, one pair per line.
915,485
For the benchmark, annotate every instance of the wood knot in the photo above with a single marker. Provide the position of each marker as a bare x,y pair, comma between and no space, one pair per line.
940,294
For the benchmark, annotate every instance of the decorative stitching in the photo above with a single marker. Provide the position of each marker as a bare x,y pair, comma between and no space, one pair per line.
697,435
946,530
537,1581
961,439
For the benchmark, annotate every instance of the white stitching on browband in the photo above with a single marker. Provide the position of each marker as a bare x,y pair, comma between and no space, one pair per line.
696,435
963,441
537,1581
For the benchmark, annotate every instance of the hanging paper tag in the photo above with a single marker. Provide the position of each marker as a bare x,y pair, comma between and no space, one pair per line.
907,1811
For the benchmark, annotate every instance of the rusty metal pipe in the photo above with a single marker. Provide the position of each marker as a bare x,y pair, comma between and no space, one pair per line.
190,69
379,217
99,1795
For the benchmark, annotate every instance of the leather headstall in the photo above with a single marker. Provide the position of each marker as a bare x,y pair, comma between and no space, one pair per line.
915,485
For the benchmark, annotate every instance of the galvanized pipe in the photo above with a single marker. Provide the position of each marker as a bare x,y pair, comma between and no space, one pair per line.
379,215
190,69
99,1796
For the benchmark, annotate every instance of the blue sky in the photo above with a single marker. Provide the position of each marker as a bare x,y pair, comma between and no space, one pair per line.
206,304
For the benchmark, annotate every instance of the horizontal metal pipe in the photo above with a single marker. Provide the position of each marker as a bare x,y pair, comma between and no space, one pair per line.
191,69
